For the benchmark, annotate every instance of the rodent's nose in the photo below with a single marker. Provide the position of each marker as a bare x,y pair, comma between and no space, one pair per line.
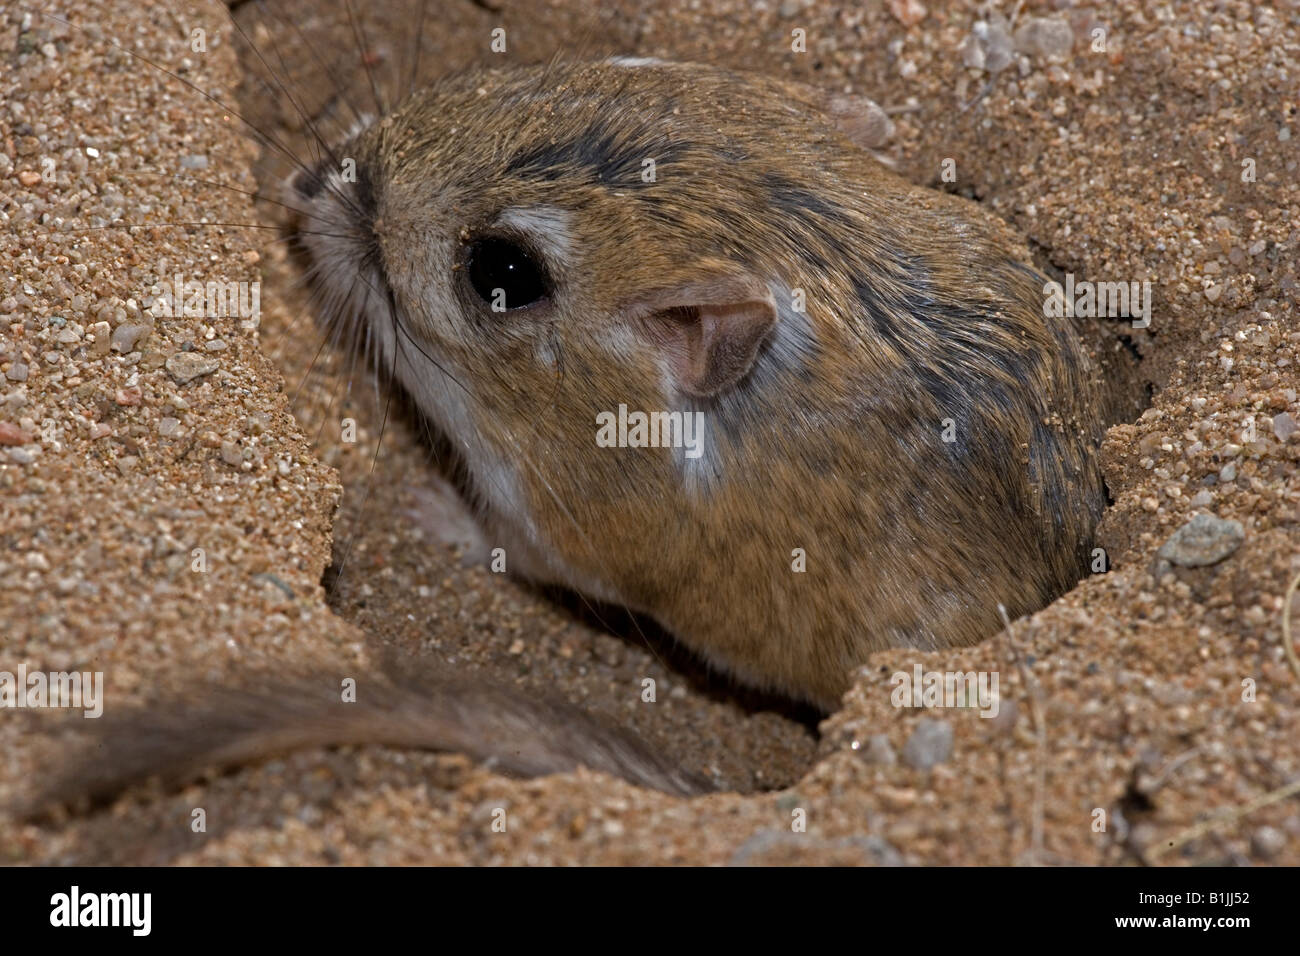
360,199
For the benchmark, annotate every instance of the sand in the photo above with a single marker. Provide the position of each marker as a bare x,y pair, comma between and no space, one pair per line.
1150,698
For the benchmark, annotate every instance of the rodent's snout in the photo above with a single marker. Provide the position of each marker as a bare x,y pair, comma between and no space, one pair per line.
308,181
347,185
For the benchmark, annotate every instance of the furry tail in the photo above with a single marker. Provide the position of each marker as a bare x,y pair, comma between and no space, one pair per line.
222,727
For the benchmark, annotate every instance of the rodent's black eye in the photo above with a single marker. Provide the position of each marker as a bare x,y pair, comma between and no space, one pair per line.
505,276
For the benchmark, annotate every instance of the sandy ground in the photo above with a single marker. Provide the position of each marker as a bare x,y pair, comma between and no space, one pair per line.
1125,696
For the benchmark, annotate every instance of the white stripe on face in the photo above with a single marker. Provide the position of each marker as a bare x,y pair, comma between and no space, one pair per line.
547,228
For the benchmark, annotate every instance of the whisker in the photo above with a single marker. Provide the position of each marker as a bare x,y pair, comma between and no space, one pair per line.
231,225
302,114
419,47
339,88
363,47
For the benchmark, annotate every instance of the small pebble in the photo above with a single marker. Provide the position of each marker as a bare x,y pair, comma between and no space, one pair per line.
972,52
1284,426
1203,541
996,41
126,337
187,366
1048,37
929,745
1267,842
11,434
103,338
907,12
879,751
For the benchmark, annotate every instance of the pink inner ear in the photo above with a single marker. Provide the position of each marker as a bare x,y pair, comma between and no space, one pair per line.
861,120
729,336
710,331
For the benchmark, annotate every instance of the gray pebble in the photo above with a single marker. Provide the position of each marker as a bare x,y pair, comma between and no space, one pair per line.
187,366
1267,842
972,52
194,162
1203,541
879,751
879,850
127,337
996,41
929,745
17,372
1049,37
1284,426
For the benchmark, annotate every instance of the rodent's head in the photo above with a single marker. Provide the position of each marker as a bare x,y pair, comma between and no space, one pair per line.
514,213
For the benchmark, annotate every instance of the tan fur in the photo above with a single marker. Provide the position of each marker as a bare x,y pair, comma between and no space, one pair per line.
175,740
909,541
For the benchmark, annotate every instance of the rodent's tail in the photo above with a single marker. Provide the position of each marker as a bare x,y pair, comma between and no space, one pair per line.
223,727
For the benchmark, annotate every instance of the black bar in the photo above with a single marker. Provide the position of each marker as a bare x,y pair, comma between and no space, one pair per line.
657,906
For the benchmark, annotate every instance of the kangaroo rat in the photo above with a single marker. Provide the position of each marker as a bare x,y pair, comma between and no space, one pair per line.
895,439
880,391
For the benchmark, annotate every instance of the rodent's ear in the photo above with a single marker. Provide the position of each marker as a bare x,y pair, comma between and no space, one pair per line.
861,120
710,331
